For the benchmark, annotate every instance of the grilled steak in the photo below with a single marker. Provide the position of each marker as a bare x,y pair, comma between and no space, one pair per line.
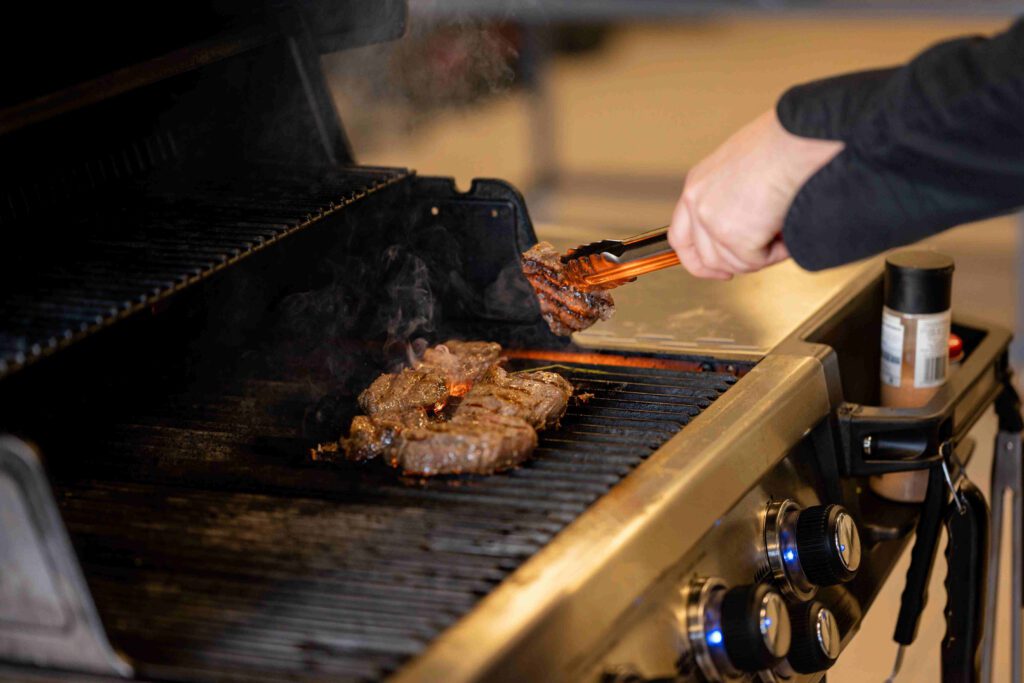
538,397
492,428
477,443
566,308
447,369
460,363
370,437
404,391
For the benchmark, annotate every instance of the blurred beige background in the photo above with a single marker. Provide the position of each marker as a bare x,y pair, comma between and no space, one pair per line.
628,119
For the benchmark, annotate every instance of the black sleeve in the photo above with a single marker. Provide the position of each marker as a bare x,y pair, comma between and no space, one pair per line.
929,145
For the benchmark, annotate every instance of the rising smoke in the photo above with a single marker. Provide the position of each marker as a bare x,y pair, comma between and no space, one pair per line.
443,62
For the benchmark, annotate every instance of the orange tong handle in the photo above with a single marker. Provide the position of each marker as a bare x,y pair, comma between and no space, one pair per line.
621,273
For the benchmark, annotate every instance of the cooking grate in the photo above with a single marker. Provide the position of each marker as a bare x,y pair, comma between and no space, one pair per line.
110,261
352,572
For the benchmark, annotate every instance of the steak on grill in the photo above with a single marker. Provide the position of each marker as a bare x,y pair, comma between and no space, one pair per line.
476,442
564,306
370,437
408,390
493,427
460,362
538,397
446,370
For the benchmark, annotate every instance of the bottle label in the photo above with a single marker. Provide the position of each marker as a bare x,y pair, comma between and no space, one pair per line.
892,349
931,358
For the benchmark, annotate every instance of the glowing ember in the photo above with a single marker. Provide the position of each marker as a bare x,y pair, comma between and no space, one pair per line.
459,388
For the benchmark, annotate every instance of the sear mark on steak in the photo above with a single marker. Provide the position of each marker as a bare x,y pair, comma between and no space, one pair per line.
446,370
410,389
460,362
565,307
469,443
370,437
492,428
538,397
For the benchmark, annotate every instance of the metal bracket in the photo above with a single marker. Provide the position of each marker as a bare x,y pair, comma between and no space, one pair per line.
1007,480
879,440
47,615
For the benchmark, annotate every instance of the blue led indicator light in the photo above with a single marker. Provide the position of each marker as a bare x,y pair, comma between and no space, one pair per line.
715,637
766,622
842,548
790,556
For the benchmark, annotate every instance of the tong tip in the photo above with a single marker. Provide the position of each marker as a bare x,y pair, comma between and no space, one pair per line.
896,665
591,249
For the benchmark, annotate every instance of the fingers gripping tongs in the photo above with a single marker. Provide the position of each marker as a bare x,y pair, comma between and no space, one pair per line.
1007,479
610,263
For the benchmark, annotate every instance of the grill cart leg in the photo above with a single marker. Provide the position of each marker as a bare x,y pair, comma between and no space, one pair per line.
47,616
1007,479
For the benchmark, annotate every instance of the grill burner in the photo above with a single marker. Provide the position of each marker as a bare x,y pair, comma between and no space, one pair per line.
350,571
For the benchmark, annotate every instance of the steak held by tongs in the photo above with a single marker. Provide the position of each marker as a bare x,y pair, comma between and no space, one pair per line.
565,304
572,288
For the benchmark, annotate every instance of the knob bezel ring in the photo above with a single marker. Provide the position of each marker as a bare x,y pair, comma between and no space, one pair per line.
780,524
697,601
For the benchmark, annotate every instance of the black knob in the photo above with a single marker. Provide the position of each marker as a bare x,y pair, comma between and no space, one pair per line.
816,638
755,627
828,543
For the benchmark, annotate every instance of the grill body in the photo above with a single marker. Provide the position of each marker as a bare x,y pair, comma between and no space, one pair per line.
196,288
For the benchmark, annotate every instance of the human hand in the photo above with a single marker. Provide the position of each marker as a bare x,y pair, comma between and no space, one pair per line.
734,202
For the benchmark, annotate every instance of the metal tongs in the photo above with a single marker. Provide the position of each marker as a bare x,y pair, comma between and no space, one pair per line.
610,263
973,563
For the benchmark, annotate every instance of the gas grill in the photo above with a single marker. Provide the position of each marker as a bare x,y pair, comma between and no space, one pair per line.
196,290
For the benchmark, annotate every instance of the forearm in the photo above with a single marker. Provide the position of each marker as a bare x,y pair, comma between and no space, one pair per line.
929,145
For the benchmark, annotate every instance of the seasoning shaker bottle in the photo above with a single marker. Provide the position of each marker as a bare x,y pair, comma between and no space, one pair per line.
915,347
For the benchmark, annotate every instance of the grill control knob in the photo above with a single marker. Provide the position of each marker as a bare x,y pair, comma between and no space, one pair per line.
829,544
755,626
818,546
732,631
816,638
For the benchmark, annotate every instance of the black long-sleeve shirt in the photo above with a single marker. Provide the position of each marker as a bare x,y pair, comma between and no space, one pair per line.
929,145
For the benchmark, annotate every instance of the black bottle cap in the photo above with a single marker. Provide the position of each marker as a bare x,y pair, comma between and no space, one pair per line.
918,281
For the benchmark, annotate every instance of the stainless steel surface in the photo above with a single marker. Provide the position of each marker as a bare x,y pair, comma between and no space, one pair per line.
827,633
671,311
1007,480
773,621
781,550
730,551
847,542
47,616
560,607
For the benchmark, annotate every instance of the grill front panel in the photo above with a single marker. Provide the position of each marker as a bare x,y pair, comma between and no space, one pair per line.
319,571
